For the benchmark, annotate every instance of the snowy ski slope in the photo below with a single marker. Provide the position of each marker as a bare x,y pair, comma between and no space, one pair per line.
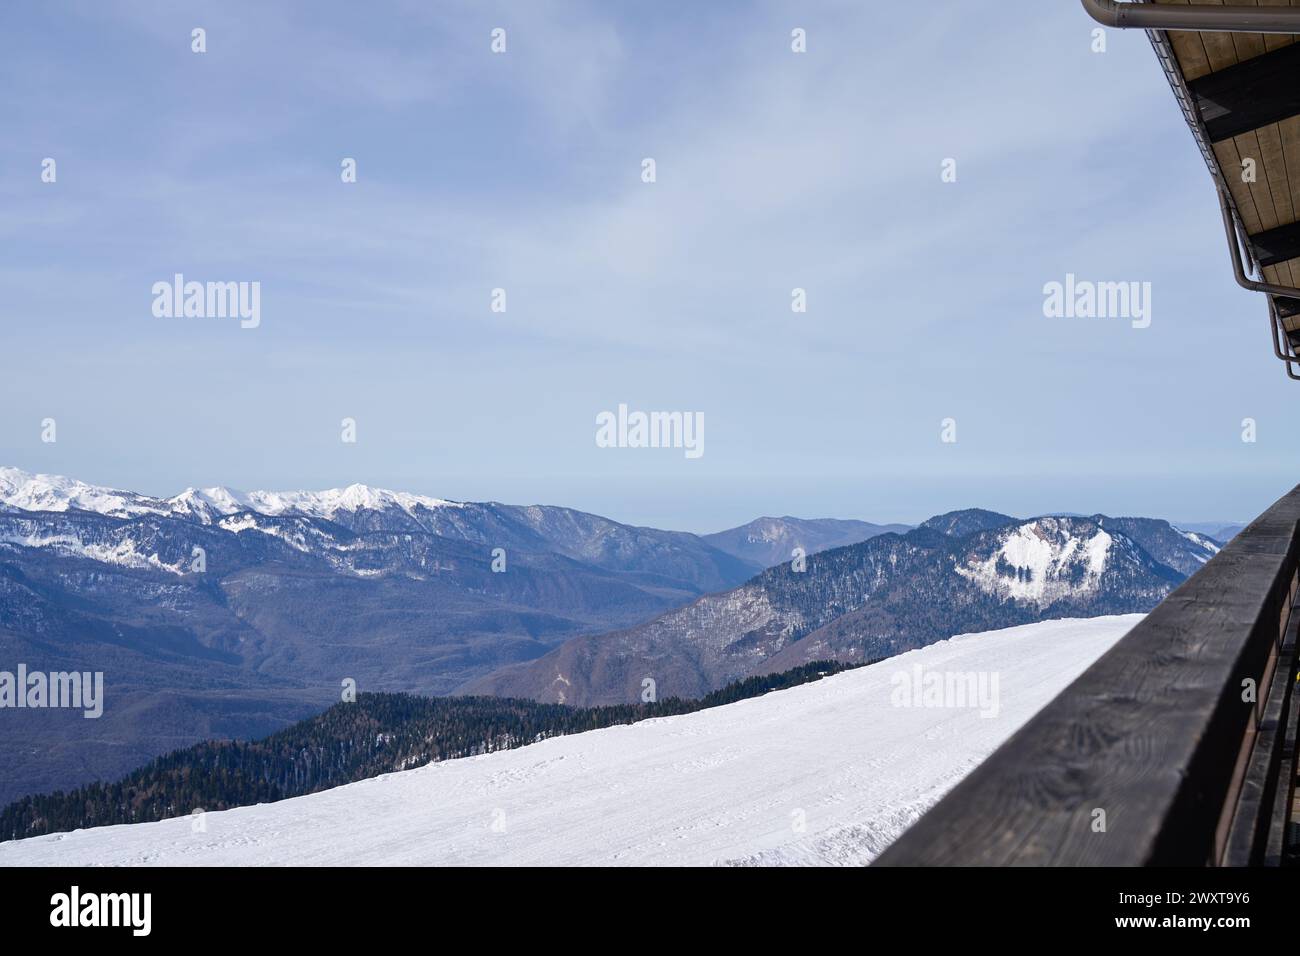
827,773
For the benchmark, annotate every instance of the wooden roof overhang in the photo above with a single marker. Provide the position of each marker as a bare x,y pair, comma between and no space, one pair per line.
1240,94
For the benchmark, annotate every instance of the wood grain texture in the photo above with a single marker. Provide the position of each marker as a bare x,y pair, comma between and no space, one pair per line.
1246,90
1258,805
1191,49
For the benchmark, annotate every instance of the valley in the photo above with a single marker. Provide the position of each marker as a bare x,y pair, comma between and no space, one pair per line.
293,594
829,772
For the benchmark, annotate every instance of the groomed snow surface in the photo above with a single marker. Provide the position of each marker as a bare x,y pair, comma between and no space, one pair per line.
827,773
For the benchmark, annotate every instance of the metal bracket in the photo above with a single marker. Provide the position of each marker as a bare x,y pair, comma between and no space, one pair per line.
1238,268
1275,324
1273,292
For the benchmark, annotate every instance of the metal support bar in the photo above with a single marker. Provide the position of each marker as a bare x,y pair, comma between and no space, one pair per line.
1186,101
1268,288
1275,324
1210,19
1238,266
1157,19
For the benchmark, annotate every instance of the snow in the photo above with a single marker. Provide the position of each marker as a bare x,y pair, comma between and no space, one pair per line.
238,523
233,511
1203,542
124,553
28,492
827,773
32,492
206,503
1043,560
1097,548
326,504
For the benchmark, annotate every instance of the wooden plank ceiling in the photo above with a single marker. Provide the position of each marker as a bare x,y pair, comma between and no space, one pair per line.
1247,89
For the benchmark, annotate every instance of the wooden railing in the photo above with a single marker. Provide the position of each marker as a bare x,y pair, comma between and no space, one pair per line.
1177,747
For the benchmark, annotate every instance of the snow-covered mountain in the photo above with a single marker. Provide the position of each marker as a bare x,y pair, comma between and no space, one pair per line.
311,521
222,613
965,571
1184,551
827,773
33,492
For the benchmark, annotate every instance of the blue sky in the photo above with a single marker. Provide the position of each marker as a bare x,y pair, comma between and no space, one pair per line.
521,171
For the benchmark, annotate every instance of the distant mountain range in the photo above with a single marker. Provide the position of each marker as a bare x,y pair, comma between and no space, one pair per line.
334,525
217,613
1223,531
960,572
300,590
769,541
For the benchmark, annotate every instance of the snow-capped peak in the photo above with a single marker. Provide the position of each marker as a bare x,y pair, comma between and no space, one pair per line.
325,504
31,492
207,504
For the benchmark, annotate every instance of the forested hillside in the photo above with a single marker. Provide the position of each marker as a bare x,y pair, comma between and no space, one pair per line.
377,734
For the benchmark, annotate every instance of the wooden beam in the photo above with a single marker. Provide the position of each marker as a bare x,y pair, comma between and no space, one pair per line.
1249,95
1276,245
1288,307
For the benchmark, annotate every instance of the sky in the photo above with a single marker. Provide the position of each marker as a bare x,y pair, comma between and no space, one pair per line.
522,170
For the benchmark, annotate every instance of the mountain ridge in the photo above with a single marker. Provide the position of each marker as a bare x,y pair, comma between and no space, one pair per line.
208,621
873,599
768,541
237,624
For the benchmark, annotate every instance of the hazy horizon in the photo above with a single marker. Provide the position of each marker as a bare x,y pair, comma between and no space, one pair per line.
867,515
